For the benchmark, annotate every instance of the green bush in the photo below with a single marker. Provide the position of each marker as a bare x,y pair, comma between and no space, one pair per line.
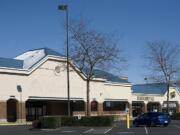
87,121
97,121
69,121
176,116
57,121
50,122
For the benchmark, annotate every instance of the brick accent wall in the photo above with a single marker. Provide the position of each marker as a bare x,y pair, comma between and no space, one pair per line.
130,109
177,107
160,107
100,108
21,110
3,111
145,107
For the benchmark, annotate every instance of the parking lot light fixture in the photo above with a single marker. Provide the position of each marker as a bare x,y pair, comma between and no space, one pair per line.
65,8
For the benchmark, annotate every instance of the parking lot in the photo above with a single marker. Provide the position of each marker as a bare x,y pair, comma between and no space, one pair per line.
119,129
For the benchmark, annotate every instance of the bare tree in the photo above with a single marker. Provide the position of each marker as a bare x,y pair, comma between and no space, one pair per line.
90,50
163,61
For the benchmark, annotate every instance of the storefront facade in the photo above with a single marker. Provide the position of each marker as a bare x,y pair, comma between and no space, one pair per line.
34,84
153,98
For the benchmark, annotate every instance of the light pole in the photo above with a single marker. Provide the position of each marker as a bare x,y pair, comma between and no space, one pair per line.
65,8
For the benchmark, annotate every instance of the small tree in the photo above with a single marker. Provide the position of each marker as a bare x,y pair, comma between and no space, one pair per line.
90,50
163,62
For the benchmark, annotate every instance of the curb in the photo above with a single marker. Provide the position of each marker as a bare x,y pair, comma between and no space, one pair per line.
14,124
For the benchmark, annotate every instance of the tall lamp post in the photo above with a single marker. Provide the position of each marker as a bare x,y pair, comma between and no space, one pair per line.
65,8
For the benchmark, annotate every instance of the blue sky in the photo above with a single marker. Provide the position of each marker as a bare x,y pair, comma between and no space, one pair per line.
30,24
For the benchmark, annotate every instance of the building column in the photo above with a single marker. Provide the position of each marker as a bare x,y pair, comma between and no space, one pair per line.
3,111
100,108
160,107
130,108
21,112
145,107
177,108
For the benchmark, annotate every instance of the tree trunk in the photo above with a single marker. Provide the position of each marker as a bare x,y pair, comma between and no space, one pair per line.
88,97
167,97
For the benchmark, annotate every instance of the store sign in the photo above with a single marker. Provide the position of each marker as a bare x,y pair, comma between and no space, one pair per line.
171,105
145,98
172,94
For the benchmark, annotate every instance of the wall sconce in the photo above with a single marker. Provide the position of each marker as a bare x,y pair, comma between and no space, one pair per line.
19,89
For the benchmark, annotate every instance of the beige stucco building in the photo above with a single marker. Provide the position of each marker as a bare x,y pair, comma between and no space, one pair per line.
35,84
153,98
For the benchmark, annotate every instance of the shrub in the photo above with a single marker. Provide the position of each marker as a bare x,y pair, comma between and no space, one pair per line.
50,122
87,121
69,121
57,121
97,121
176,116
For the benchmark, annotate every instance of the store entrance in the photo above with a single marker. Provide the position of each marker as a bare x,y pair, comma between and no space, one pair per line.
35,109
137,108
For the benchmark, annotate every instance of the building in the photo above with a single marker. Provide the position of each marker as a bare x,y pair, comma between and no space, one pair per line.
153,98
34,84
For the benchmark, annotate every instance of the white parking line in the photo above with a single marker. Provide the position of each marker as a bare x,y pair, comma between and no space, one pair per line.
47,130
176,126
108,130
67,131
146,130
123,133
87,131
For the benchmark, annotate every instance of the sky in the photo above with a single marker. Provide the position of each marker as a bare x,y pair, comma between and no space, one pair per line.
31,24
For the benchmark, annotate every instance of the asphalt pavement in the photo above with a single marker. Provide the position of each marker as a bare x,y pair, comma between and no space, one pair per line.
118,129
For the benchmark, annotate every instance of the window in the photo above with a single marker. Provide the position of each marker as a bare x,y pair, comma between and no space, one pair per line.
78,106
94,106
114,106
35,109
153,107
